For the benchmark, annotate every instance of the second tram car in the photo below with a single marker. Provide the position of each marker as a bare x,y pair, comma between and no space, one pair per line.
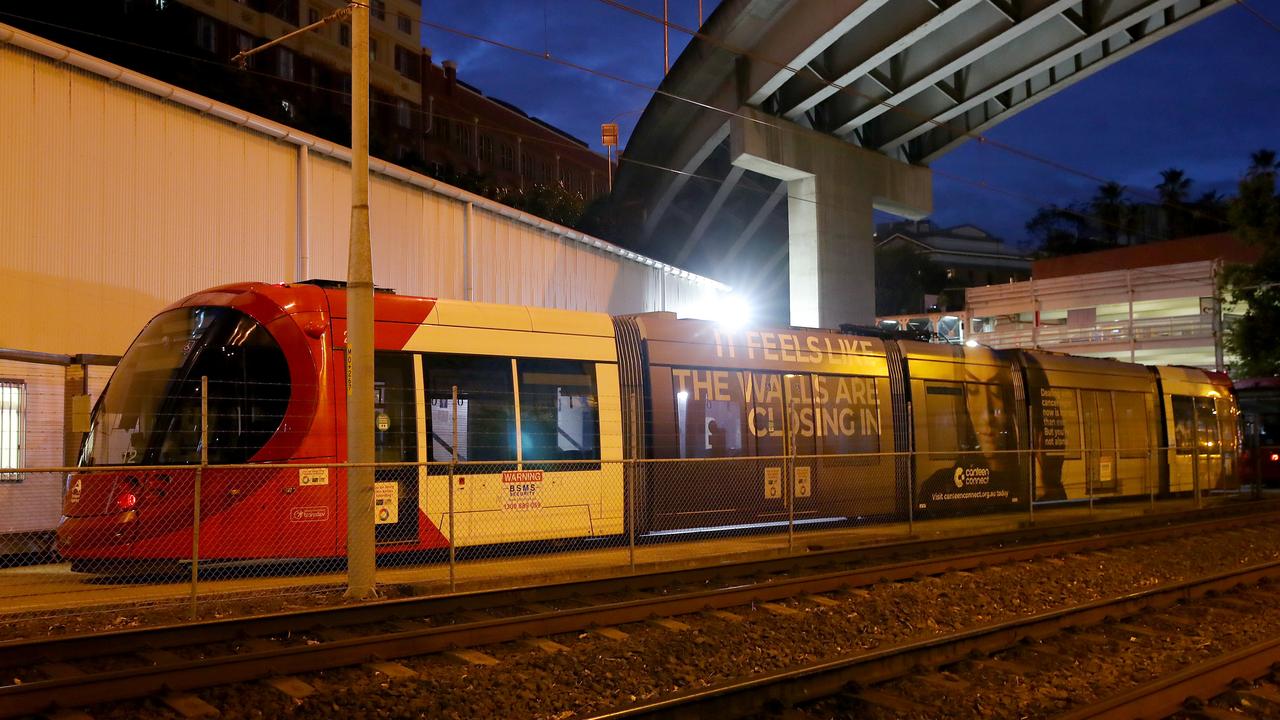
877,427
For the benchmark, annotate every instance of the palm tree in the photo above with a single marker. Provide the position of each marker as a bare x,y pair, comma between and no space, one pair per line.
1173,188
1263,162
1113,212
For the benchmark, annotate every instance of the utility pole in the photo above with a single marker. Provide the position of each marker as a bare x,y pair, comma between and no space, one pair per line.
360,545
359,340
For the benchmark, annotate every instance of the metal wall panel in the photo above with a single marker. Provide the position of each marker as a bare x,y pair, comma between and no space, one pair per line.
115,202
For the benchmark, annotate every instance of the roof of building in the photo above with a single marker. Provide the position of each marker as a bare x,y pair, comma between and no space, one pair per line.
1219,246
966,240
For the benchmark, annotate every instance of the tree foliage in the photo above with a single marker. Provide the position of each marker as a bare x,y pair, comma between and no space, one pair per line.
1110,219
1254,339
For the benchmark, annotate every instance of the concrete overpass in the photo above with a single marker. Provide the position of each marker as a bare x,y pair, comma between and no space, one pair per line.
838,106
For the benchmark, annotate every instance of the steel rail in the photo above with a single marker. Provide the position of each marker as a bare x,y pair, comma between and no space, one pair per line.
1166,696
749,696
89,689
1090,535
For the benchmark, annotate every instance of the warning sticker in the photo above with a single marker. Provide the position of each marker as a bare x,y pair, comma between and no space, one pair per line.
773,482
521,489
386,503
803,476
1105,472
313,476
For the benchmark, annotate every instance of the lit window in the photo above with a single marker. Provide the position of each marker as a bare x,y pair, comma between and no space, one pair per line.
12,396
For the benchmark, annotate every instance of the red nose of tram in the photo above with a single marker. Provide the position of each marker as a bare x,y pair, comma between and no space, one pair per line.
258,349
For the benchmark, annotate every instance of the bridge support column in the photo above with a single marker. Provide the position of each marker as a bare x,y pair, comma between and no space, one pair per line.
832,187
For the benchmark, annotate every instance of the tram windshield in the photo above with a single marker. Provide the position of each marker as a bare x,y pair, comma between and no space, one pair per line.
150,412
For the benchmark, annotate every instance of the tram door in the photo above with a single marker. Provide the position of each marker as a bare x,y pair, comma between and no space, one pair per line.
1100,461
395,423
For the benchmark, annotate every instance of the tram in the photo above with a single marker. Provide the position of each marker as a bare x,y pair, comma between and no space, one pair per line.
770,425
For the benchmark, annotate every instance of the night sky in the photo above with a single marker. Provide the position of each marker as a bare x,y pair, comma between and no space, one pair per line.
1201,100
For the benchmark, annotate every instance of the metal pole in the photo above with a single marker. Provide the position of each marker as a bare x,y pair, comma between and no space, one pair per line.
610,149
789,470
666,46
453,463
360,544
911,484
1257,461
630,479
1088,478
195,515
1031,477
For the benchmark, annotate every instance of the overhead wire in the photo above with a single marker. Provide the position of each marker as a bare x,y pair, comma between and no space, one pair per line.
898,108
555,143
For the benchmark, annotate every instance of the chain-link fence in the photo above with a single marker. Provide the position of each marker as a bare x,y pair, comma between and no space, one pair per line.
202,541
163,521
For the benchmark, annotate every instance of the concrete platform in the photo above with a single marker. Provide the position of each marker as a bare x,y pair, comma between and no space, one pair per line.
54,590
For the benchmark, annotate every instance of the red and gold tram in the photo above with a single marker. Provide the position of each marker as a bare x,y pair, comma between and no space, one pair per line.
877,427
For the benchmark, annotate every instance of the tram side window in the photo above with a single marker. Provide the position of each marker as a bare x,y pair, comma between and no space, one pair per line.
847,414
710,412
395,420
1227,423
969,417
782,404
559,419
486,407
1132,424
1207,425
1184,424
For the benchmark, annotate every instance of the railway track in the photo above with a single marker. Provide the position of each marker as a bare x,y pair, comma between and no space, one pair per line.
858,674
89,670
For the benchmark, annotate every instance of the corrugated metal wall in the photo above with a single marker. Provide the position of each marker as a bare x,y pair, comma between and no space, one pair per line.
114,202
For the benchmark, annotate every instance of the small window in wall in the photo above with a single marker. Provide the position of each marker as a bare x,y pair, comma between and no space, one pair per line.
405,24
344,35
559,416
12,427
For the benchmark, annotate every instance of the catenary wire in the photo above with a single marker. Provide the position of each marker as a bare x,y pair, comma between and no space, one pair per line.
547,141
949,126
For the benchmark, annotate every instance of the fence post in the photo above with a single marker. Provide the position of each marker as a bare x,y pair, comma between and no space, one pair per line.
630,479
1195,469
1088,478
195,515
1153,470
911,480
453,462
1257,462
1031,480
